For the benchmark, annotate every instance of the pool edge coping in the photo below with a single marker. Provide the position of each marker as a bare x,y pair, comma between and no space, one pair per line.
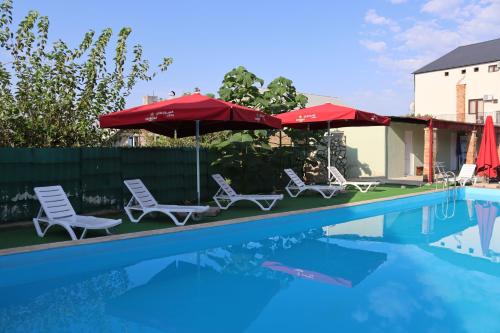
156,232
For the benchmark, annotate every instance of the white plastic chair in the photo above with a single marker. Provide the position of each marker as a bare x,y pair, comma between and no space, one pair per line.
57,210
466,175
226,196
143,201
344,183
296,186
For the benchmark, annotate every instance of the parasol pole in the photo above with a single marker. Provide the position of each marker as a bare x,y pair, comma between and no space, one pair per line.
198,161
328,152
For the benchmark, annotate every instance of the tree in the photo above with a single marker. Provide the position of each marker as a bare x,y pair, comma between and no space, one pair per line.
53,95
242,87
281,96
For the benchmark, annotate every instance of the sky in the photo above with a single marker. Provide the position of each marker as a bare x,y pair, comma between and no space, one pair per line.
362,52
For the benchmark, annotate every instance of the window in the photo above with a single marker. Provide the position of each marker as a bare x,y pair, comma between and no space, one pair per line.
133,141
476,69
476,107
492,68
497,118
464,71
446,73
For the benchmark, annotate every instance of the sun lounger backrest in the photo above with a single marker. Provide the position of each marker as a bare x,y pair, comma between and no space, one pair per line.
467,171
224,185
338,176
54,202
140,192
296,179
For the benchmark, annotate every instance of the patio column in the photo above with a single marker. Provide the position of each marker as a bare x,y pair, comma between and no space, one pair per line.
430,149
471,147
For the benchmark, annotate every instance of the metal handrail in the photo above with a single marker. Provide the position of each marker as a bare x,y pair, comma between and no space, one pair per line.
449,183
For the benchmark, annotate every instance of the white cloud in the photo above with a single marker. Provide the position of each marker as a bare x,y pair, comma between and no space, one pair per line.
372,17
428,37
443,8
405,65
376,46
403,45
480,20
424,40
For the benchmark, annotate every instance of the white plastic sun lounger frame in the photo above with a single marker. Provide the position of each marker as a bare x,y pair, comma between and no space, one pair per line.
296,186
226,196
143,201
57,210
466,175
340,180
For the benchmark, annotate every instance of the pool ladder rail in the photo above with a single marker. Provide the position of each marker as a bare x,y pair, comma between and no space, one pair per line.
448,182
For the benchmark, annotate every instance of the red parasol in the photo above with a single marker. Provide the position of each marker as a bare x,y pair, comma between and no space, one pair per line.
189,115
487,158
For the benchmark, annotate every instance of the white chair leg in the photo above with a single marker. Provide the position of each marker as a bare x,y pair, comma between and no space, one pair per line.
219,203
38,229
175,220
268,205
42,233
131,216
273,204
84,232
69,230
293,194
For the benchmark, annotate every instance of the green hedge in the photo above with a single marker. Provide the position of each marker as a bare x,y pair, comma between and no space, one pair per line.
93,177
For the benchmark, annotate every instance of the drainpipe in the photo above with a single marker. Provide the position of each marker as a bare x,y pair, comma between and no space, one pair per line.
431,152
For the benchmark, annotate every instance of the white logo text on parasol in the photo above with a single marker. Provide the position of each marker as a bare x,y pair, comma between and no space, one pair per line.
259,117
303,118
153,116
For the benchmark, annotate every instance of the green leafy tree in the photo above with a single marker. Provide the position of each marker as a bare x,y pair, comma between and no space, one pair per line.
281,96
244,153
53,95
242,87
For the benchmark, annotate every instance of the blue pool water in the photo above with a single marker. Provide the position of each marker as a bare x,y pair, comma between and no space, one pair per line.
421,264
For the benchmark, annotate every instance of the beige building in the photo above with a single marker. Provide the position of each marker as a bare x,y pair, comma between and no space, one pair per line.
463,85
453,96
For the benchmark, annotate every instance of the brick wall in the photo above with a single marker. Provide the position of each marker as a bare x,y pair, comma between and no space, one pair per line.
471,147
427,166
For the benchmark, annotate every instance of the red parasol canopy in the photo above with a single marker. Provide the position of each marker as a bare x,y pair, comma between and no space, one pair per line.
318,117
178,116
487,159
187,116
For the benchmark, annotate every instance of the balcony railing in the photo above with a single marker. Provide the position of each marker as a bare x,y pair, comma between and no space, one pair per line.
471,118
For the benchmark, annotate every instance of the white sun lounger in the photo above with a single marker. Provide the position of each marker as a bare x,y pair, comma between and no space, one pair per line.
143,201
344,183
226,196
296,186
57,210
466,175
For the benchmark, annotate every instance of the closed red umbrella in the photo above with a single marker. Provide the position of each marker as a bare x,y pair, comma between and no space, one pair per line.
328,116
487,159
486,214
189,115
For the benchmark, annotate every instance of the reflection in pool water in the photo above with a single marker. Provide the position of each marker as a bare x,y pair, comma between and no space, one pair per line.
406,270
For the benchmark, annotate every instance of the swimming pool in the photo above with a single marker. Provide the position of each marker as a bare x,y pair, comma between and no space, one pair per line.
419,264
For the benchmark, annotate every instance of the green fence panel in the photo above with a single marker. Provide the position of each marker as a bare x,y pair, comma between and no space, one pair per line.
93,177
101,180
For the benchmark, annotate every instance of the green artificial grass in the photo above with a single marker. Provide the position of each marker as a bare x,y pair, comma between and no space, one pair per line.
26,235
